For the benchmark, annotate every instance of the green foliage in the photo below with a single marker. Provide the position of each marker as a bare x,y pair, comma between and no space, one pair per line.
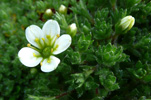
40,98
74,57
102,27
84,42
99,64
109,55
108,80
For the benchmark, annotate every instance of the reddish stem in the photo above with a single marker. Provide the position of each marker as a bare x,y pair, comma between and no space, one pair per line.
63,94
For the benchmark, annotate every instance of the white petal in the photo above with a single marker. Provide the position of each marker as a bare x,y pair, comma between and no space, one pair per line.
63,42
26,56
50,64
34,32
51,28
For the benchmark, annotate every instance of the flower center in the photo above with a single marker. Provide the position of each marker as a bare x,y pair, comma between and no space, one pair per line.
46,52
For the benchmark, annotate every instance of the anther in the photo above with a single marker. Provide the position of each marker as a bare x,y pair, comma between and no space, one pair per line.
48,61
36,39
34,54
51,49
40,63
43,39
58,35
28,45
57,46
48,36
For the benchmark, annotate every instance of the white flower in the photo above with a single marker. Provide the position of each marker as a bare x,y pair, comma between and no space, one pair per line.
46,42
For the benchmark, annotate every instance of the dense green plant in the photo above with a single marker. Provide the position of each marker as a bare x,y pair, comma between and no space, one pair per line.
99,64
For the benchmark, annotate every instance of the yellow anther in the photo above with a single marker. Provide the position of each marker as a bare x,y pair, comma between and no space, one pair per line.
57,46
36,39
34,54
51,49
48,36
40,63
58,35
28,45
43,39
48,61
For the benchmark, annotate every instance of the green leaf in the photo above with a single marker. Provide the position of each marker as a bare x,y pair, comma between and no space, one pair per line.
109,55
84,42
74,57
31,97
107,79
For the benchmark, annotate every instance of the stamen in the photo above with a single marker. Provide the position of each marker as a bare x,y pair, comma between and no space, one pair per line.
51,49
54,49
43,39
48,61
48,36
36,40
57,46
28,45
39,42
58,35
40,63
34,54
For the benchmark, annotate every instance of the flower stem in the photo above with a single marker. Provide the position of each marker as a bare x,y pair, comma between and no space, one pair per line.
63,94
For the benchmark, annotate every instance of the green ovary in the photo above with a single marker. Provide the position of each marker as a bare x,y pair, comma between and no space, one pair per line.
46,52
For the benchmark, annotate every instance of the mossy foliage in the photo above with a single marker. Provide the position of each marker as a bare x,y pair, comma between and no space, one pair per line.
99,64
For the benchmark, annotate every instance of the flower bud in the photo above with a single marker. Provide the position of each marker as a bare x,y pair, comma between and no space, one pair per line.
72,30
49,12
86,29
124,25
63,9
